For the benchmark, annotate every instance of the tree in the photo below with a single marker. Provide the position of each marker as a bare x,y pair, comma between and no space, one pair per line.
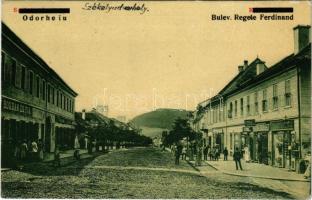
180,129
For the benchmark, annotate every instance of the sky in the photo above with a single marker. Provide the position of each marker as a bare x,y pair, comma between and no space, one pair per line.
173,56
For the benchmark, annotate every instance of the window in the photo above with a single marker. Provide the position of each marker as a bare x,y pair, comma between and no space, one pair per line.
64,103
287,93
43,90
57,98
2,65
220,113
230,112
13,75
235,108
256,103
23,78
38,86
48,93
31,82
241,106
248,106
275,97
231,140
264,101
61,100
53,95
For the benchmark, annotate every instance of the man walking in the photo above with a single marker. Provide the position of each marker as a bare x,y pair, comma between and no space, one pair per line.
237,157
225,153
205,152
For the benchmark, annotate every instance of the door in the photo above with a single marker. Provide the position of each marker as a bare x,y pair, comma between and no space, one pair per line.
47,137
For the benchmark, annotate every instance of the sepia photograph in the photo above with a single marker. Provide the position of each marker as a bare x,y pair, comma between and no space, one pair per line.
155,99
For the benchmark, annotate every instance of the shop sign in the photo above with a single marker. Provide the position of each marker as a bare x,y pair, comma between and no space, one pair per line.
217,131
250,122
282,125
16,107
247,129
62,120
261,127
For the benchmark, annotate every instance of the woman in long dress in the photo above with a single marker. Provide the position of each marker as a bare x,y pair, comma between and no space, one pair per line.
246,154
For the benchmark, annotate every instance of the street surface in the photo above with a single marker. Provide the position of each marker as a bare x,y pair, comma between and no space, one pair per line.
132,173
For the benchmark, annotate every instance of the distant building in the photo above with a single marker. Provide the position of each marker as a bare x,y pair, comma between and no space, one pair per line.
122,119
102,109
266,111
36,101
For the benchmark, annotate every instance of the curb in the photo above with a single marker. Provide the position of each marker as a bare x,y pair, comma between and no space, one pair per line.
263,177
192,165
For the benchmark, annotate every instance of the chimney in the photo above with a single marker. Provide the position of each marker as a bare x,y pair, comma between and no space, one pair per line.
240,68
245,64
301,37
83,114
260,67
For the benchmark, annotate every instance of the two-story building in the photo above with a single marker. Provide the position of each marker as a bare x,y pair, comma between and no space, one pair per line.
36,101
267,111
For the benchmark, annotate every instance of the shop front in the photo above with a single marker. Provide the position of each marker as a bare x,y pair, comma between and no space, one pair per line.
283,144
261,143
218,137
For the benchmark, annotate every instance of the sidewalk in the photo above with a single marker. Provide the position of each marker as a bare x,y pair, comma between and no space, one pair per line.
66,157
48,157
256,170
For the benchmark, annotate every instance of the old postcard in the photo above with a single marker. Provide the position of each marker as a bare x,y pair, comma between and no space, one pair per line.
156,99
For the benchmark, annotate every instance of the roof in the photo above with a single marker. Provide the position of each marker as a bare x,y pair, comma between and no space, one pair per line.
287,63
241,77
8,34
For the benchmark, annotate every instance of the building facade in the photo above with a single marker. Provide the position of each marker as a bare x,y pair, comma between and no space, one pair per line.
36,102
265,111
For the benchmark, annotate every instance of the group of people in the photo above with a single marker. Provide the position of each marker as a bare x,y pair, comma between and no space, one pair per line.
29,150
214,153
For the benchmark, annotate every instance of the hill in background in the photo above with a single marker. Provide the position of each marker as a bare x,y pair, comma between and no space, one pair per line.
154,122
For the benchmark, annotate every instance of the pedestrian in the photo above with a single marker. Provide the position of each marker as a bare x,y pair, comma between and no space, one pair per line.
178,152
210,153
199,155
225,153
34,150
17,151
184,153
237,158
213,153
76,147
57,157
246,154
217,153
24,150
40,149
205,153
